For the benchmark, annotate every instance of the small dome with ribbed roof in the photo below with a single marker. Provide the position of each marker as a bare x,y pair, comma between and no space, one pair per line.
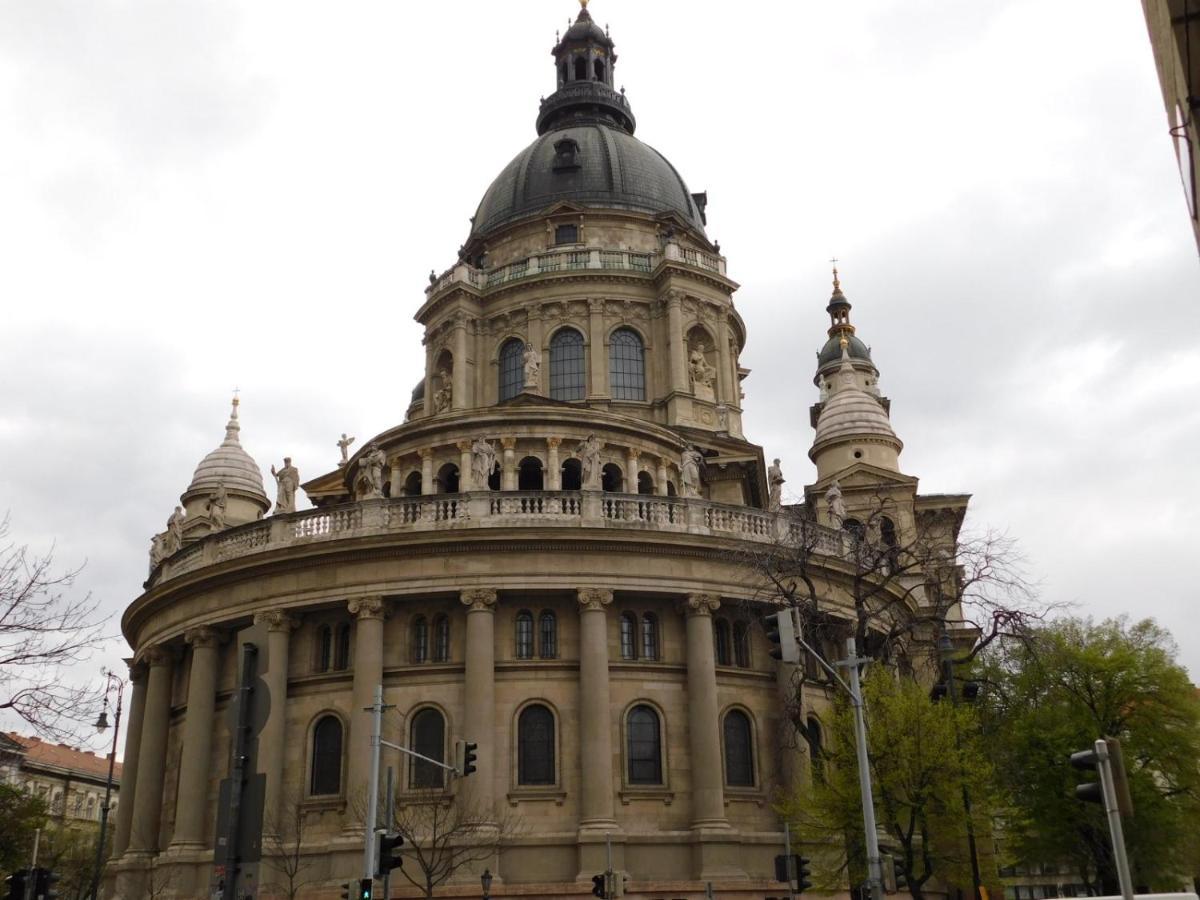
231,466
851,412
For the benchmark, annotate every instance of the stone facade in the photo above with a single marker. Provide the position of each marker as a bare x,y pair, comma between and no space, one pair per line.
71,781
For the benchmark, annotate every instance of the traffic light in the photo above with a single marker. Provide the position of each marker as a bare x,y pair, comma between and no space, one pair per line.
1093,791
598,886
800,874
1089,791
16,884
365,888
350,891
387,855
803,874
464,757
781,631
43,884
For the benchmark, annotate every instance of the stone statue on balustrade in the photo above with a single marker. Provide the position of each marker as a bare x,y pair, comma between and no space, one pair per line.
702,374
157,553
836,505
483,463
173,539
588,452
218,500
288,480
775,482
370,473
689,471
533,370
344,446
443,398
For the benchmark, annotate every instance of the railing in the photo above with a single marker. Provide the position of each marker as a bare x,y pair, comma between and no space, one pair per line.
508,509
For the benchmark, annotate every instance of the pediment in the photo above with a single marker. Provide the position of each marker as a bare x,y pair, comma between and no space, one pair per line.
864,476
562,207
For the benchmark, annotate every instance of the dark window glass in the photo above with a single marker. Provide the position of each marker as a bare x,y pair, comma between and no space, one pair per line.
524,634
721,638
649,636
566,234
420,640
626,365
548,635
816,751
741,645
324,648
428,739
568,375
341,656
645,749
512,368
327,757
441,639
628,636
535,746
739,750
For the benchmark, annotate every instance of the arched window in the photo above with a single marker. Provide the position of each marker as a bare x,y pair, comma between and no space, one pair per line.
512,368
535,746
599,69
524,635
420,640
441,639
854,528
568,372
741,645
628,636
645,483
739,750
529,474
324,648
644,746
891,546
816,749
562,74
572,475
671,492
341,651
626,365
611,479
580,68
412,485
428,738
547,635
721,639
649,636
447,479
326,757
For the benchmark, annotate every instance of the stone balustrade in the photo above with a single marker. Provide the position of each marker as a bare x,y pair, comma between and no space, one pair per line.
509,509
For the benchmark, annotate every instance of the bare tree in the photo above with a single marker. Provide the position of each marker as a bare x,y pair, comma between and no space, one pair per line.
42,630
283,846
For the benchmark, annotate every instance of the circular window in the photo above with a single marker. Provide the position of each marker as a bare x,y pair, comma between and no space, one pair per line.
858,454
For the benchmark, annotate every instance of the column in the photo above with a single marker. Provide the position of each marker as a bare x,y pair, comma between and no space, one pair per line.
427,485
553,466
708,788
272,741
595,712
368,674
397,479
133,745
479,700
675,341
429,373
195,764
661,477
459,377
152,755
464,469
725,387
631,470
598,379
508,467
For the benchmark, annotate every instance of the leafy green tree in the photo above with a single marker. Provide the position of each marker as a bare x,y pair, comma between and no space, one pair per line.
21,815
1074,681
70,850
922,755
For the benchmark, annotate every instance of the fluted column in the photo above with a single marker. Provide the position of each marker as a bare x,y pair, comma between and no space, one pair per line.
675,342
272,740
708,788
195,765
508,469
479,701
133,747
598,380
368,674
595,712
553,466
152,756
427,484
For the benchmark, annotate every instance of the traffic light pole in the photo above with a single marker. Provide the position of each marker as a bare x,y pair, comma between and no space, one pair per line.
874,872
376,710
1114,817
976,879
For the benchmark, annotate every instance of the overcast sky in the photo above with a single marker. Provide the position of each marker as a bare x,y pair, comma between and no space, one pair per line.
195,196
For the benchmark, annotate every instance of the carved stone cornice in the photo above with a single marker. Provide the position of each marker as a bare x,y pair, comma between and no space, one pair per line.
699,604
479,599
204,636
594,599
367,608
277,620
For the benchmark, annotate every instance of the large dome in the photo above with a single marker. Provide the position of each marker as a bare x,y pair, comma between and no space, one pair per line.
610,169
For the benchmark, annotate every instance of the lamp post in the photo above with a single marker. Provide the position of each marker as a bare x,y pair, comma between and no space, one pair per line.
946,651
486,881
102,726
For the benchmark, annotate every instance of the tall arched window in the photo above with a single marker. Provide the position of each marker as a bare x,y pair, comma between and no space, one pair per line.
512,368
739,750
547,635
644,749
741,645
568,372
816,749
341,650
721,639
628,636
420,640
326,757
324,648
626,365
429,739
441,639
649,636
524,646
535,746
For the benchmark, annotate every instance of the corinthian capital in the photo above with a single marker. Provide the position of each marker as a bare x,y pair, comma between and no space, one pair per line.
157,655
276,620
203,636
700,604
479,599
367,607
594,599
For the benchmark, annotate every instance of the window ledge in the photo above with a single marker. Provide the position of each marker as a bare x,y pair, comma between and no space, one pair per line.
744,795
536,794
438,796
335,802
650,792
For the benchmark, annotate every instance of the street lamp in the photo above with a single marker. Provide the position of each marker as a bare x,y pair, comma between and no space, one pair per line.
946,652
486,880
102,726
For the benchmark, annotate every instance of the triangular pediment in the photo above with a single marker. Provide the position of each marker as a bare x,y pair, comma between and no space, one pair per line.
562,207
864,476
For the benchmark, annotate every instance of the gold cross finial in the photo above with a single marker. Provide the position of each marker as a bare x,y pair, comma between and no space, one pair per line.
837,285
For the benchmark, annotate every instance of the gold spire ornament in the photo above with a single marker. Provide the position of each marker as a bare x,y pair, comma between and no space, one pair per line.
583,3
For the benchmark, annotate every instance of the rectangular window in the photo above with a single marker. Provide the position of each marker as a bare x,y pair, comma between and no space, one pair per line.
566,234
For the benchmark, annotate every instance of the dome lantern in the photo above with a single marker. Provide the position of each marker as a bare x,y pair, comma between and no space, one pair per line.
231,467
584,59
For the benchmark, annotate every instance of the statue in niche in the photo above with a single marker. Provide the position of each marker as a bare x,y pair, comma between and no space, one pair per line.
588,452
287,479
533,369
344,446
702,374
173,539
370,478
483,463
444,396
157,552
217,501
775,482
689,471
837,506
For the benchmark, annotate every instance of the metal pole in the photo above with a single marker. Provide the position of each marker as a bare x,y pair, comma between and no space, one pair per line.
976,879
1114,818
376,710
29,882
787,850
112,759
874,875
608,873
388,821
